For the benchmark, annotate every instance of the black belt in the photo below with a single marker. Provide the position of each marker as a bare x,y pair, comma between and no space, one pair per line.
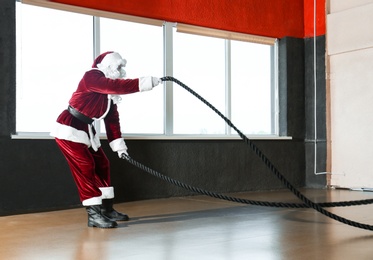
79,115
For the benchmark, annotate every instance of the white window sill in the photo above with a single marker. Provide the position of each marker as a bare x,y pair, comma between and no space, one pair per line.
163,137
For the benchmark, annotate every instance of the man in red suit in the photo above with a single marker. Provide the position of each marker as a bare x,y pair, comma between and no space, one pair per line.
96,99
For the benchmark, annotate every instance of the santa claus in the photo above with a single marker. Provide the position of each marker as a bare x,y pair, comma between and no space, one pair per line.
96,99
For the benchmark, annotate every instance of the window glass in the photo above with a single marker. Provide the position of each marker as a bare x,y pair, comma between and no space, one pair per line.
52,55
251,87
199,62
142,46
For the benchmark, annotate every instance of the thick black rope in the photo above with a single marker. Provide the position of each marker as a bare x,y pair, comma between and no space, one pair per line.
235,199
307,203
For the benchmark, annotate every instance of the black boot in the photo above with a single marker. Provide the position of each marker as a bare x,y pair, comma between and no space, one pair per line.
97,219
109,212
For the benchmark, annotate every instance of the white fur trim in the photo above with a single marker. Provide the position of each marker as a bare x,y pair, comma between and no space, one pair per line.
95,141
69,133
116,98
145,83
112,59
107,192
92,201
106,111
112,66
118,144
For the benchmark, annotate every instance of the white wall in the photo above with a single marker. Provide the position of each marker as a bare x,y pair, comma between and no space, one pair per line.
350,52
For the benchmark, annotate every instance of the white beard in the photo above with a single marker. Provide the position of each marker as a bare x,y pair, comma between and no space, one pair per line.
123,73
113,73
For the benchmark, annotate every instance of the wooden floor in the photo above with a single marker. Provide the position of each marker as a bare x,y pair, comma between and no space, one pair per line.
196,227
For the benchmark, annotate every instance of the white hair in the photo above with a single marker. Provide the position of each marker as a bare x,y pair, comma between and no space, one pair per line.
113,66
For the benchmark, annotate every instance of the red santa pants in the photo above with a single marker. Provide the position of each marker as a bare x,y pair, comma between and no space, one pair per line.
90,169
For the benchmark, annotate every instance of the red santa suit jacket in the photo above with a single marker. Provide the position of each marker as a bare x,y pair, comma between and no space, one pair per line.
94,99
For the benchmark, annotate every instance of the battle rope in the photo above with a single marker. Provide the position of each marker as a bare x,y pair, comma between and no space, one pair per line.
307,203
235,199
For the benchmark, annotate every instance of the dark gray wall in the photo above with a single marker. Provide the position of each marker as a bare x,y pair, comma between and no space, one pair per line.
291,87
34,176
7,67
297,101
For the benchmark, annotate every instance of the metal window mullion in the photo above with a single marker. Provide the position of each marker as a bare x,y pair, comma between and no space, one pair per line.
168,71
96,51
228,75
274,90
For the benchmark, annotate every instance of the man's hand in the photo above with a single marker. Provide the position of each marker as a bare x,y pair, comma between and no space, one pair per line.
120,152
156,81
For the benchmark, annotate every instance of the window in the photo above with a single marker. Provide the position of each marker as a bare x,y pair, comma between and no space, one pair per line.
142,46
200,64
248,66
52,54
236,77
251,88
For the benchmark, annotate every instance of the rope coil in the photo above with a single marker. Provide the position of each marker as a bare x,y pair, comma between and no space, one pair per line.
307,203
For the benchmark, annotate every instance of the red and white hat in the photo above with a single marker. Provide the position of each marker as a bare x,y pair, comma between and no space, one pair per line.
109,59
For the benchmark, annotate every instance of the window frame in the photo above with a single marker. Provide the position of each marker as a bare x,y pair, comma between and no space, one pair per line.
168,70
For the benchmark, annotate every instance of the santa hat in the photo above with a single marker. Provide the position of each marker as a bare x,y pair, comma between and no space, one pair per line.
109,58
